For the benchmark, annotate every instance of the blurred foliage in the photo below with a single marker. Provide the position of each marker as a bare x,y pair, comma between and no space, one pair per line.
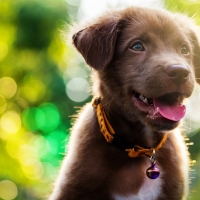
34,106
42,82
189,7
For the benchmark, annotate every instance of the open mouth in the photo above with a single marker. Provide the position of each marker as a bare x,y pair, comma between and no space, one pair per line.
168,106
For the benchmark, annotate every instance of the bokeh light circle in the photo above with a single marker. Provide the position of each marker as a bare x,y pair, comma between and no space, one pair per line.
34,90
8,87
46,117
32,168
77,89
8,190
39,145
10,122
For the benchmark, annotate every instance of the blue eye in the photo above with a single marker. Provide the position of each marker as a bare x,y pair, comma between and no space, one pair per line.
184,50
138,47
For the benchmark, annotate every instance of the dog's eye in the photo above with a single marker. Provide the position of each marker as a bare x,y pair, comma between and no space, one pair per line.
184,50
138,47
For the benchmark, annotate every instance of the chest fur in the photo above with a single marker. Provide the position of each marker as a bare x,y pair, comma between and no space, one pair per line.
149,191
135,185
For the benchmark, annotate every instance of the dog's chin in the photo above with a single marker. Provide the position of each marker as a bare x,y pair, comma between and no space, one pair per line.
161,124
160,119
157,123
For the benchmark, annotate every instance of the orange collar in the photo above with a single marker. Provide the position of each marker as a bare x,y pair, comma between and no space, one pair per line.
109,133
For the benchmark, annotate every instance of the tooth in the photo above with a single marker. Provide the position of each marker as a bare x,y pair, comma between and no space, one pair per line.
141,97
145,101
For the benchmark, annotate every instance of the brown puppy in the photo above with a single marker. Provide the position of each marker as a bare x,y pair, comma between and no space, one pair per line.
144,64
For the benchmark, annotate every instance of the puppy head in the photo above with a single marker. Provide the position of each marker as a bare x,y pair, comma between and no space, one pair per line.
145,60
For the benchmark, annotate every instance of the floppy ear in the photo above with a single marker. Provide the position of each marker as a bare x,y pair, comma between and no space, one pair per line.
97,42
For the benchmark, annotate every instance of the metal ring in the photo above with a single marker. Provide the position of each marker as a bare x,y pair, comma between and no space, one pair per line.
153,157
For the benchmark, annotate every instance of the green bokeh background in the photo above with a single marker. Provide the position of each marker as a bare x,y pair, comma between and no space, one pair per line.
37,99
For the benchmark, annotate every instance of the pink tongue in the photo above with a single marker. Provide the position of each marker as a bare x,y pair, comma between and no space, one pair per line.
172,112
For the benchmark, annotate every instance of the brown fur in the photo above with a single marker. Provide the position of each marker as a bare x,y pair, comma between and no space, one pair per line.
95,169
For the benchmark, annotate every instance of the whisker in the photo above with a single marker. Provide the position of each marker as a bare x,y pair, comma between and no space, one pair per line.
109,102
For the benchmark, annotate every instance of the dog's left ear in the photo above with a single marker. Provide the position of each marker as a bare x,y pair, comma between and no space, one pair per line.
97,42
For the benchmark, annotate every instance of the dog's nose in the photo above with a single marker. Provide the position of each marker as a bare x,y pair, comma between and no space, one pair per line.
178,73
